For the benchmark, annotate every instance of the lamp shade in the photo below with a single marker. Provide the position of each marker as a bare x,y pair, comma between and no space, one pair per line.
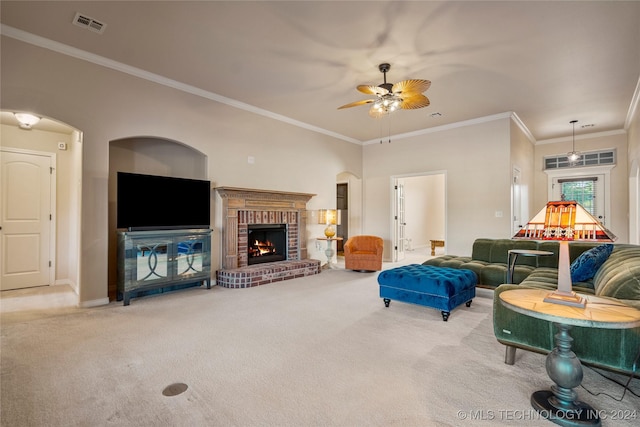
565,221
329,217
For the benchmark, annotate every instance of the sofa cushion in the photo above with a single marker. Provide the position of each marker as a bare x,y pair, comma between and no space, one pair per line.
586,265
482,250
619,276
452,261
544,277
550,261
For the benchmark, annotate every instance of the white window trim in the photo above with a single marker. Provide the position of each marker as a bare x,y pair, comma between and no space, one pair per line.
586,172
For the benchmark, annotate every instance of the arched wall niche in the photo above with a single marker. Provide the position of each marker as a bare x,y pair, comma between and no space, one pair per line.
153,156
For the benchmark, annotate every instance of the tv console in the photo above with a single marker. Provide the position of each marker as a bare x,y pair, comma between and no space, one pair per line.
160,259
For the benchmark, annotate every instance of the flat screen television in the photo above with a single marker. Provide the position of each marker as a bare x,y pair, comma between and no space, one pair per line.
150,202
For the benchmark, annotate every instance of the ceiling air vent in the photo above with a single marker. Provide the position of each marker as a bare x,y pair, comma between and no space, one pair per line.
89,23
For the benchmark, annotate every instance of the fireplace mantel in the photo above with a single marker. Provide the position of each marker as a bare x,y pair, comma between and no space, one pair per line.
243,206
264,198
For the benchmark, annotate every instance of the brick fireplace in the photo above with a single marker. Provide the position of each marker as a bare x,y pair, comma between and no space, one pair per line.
242,208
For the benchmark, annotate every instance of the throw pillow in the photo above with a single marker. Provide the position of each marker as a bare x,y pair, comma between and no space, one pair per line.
587,264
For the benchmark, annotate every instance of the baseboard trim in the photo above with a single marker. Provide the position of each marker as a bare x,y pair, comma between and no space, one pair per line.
94,303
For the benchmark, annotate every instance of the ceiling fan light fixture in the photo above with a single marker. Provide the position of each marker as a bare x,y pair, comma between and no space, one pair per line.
389,97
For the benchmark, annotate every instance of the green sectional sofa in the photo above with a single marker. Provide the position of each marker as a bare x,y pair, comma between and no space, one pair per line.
618,278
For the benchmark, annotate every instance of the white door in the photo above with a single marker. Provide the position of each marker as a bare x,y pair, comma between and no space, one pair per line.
25,218
400,221
517,202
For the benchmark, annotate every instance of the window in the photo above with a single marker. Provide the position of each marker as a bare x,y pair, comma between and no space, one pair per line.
590,190
582,190
592,158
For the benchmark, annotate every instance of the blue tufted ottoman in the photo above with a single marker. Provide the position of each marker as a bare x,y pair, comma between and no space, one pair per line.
441,288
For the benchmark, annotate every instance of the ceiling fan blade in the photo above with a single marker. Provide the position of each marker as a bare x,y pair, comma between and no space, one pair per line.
410,87
357,103
372,90
414,101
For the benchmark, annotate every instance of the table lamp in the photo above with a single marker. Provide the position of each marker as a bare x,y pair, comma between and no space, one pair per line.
565,221
329,217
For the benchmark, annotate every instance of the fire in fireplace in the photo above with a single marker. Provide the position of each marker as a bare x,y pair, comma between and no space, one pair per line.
267,243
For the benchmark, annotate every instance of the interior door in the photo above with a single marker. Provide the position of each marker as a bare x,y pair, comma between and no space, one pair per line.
400,221
517,202
25,218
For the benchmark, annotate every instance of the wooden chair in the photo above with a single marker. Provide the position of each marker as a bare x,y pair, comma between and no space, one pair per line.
363,253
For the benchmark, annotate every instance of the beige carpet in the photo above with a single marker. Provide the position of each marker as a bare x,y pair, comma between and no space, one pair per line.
315,351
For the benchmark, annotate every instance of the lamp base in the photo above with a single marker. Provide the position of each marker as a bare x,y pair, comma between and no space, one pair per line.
329,231
566,298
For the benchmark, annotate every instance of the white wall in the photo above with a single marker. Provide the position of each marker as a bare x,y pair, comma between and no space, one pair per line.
522,152
476,160
107,106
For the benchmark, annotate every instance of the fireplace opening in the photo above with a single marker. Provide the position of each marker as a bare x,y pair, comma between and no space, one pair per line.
266,243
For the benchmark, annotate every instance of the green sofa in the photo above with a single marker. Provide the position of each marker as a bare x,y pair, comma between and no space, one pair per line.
618,278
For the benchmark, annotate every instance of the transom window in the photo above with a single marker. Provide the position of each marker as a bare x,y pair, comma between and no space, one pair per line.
591,158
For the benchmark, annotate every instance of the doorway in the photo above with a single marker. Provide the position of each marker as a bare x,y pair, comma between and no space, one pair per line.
54,149
342,204
419,213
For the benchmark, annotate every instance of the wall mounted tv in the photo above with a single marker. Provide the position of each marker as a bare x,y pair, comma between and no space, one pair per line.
150,202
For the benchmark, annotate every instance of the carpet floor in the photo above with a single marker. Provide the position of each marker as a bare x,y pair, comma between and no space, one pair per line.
315,351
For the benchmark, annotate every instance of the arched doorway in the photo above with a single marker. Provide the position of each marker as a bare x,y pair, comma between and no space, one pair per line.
349,201
52,151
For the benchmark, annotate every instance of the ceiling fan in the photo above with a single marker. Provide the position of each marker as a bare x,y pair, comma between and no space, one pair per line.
406,95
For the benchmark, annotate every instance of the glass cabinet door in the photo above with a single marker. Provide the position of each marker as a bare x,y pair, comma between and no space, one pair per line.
152,260
189,256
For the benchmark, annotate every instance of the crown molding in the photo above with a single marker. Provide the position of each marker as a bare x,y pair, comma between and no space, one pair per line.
633,107
64,49
583,136
516,119
441,128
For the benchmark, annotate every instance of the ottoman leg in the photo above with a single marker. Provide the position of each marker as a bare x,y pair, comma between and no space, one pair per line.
386,302
469,303
445,315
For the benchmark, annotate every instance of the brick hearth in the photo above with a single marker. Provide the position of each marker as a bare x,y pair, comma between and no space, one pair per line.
261,274
242,207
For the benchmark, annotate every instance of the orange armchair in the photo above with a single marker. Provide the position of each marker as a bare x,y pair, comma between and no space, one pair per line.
363,253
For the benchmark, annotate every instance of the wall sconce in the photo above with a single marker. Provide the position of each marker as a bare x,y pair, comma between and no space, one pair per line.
26,120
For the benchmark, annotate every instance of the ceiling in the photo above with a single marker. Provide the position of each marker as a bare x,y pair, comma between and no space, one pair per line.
548,62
